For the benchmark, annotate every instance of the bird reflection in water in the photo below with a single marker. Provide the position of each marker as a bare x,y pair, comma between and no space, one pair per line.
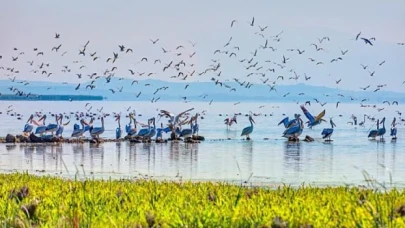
131,147
118,152
96,154
247,155
174,151
53,158
231,134
292,154
184,151
78,154
184,157
40,149
148,155
380,157
11,147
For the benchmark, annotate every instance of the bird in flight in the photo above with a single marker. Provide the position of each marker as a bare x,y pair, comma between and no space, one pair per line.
253,22
367,41
233,22
154,41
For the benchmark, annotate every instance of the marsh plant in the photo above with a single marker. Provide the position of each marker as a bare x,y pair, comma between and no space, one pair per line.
33,201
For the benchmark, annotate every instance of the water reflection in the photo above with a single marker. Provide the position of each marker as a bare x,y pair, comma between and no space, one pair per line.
118,152
247,159
277,161
292,155
11,147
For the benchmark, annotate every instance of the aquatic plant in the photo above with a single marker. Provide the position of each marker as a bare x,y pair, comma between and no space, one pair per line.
27,200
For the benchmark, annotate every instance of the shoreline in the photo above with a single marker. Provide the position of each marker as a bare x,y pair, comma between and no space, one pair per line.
91,176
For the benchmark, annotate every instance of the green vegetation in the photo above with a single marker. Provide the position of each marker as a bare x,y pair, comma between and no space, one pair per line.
27,200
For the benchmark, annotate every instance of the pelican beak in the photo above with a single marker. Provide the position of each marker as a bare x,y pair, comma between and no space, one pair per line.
29,119
253,121
85,123
42,117
65,124
118,117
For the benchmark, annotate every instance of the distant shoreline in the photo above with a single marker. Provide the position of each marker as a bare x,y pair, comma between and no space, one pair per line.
36,97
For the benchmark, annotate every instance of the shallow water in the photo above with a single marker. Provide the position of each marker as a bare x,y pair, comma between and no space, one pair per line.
268,161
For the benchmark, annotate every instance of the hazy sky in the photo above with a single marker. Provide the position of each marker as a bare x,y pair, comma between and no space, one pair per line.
26,24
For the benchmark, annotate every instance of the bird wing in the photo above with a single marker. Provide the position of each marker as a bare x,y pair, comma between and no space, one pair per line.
307,114
320,115
284,121
182,113
291,130
246,130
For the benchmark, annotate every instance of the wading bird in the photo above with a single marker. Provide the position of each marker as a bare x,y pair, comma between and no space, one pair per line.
294,131
381,131
248,130
95,132
28,126
229,121
373,133
394,129
77,131
118,130
327,132
131,131
313,121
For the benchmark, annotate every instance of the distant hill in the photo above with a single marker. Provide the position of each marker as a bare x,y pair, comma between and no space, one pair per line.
202,91
36,97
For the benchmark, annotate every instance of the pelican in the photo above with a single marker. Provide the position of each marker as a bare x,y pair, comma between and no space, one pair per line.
354,119
230,121
296,130
174,119
288,123
52,127
41,126
381,131
174,122
327,132
248,130
159,132
118,130
144,131
152,131
188,132
196,126
131,131
363,122
313,121
77,131
373,133
95,132
393,129
28,126
61,125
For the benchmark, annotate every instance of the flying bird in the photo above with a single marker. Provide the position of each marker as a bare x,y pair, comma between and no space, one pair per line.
154,41
253,22
233,22
367,41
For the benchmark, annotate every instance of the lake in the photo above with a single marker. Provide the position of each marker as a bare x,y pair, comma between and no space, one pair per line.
224,155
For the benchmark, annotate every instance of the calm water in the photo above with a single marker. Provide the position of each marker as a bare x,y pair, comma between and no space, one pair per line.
269,161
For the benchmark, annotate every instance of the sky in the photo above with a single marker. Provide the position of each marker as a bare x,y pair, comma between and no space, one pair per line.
26,24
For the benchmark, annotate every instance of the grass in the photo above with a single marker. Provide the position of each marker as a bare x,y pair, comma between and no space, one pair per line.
32,201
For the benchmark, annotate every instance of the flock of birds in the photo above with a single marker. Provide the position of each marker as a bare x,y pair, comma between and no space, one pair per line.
181,65
175,125
293,127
